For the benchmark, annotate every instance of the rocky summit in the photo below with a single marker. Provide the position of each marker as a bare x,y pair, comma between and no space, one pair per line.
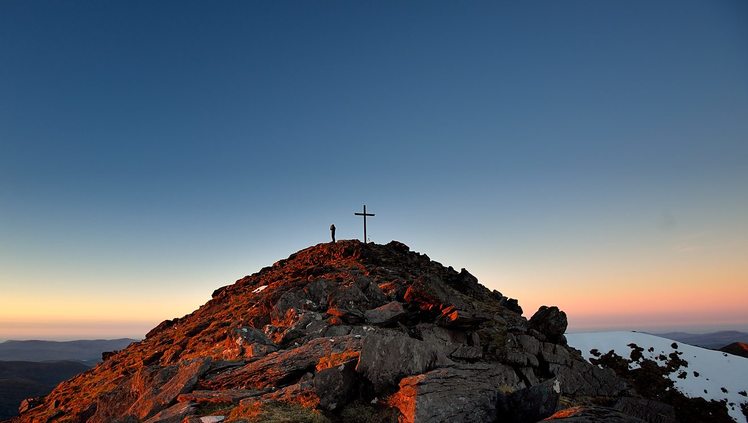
346,331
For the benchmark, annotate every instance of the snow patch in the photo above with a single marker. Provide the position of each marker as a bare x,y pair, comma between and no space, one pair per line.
721,377
260,289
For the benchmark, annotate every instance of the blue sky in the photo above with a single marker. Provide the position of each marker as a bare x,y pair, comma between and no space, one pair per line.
161,149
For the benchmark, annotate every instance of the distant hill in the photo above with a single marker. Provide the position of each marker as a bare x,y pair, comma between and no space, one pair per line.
736,348
23,379
86,351
713,340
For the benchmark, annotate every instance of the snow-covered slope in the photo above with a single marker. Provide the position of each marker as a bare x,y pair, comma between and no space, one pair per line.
712,375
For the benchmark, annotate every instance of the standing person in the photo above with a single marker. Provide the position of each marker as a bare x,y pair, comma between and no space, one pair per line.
332,232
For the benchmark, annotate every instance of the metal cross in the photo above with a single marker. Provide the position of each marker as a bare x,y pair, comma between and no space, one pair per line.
364,214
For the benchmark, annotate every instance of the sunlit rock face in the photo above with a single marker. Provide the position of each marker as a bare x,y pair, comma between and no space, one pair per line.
340,332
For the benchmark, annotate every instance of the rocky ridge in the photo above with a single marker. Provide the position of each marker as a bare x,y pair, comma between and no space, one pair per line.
345,332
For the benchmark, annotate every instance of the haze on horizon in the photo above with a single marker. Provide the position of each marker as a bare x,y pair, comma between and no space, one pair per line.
590,155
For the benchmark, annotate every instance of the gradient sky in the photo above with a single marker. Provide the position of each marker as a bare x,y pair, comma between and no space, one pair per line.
592,155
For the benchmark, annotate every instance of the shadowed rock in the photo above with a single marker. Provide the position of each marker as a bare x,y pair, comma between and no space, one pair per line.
551,322
592,414
388,356
464,393
385,315
530,404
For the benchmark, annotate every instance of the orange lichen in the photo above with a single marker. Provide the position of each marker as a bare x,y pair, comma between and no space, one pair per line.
405,401
336,359
562,414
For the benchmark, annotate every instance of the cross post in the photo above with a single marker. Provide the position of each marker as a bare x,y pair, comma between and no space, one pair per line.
364,214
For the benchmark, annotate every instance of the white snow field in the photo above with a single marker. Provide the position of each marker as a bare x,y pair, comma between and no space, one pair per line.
721,376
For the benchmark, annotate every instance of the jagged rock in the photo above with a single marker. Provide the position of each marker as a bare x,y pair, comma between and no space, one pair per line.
550,321
386,314
530,404
226,396
251,335
434,295
555,354
452,317
647,410
592,414
527,343
174,414
156,397
107,354
350,316
204,419
511,304
336,385
453,343
581,379
493,339
521,358
113,405
528,375
285,367
29,403
387,356
464,393
466,352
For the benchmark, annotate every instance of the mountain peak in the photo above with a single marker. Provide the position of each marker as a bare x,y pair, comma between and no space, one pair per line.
336,330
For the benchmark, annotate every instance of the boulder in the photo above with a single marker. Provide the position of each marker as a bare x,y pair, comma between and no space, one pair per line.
432,294
453,343
156,397
346,315
286,367
648,410
511,304
113,405
386,314
581,379
452,317
387,356
174,414
29,403
550,321
464,393
336,385
530,404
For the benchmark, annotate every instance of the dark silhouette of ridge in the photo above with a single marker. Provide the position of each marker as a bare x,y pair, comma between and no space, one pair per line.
712,340
81,350
22,379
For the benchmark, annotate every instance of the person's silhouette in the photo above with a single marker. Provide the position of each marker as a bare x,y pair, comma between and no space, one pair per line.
332,232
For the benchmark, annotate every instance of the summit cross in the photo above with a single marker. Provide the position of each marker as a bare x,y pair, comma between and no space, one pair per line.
364,214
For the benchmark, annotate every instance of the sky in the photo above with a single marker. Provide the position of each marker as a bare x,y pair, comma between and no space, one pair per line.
590,155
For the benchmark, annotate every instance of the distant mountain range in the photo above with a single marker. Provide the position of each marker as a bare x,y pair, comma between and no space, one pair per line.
33,368
23,379
88,351
713,340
